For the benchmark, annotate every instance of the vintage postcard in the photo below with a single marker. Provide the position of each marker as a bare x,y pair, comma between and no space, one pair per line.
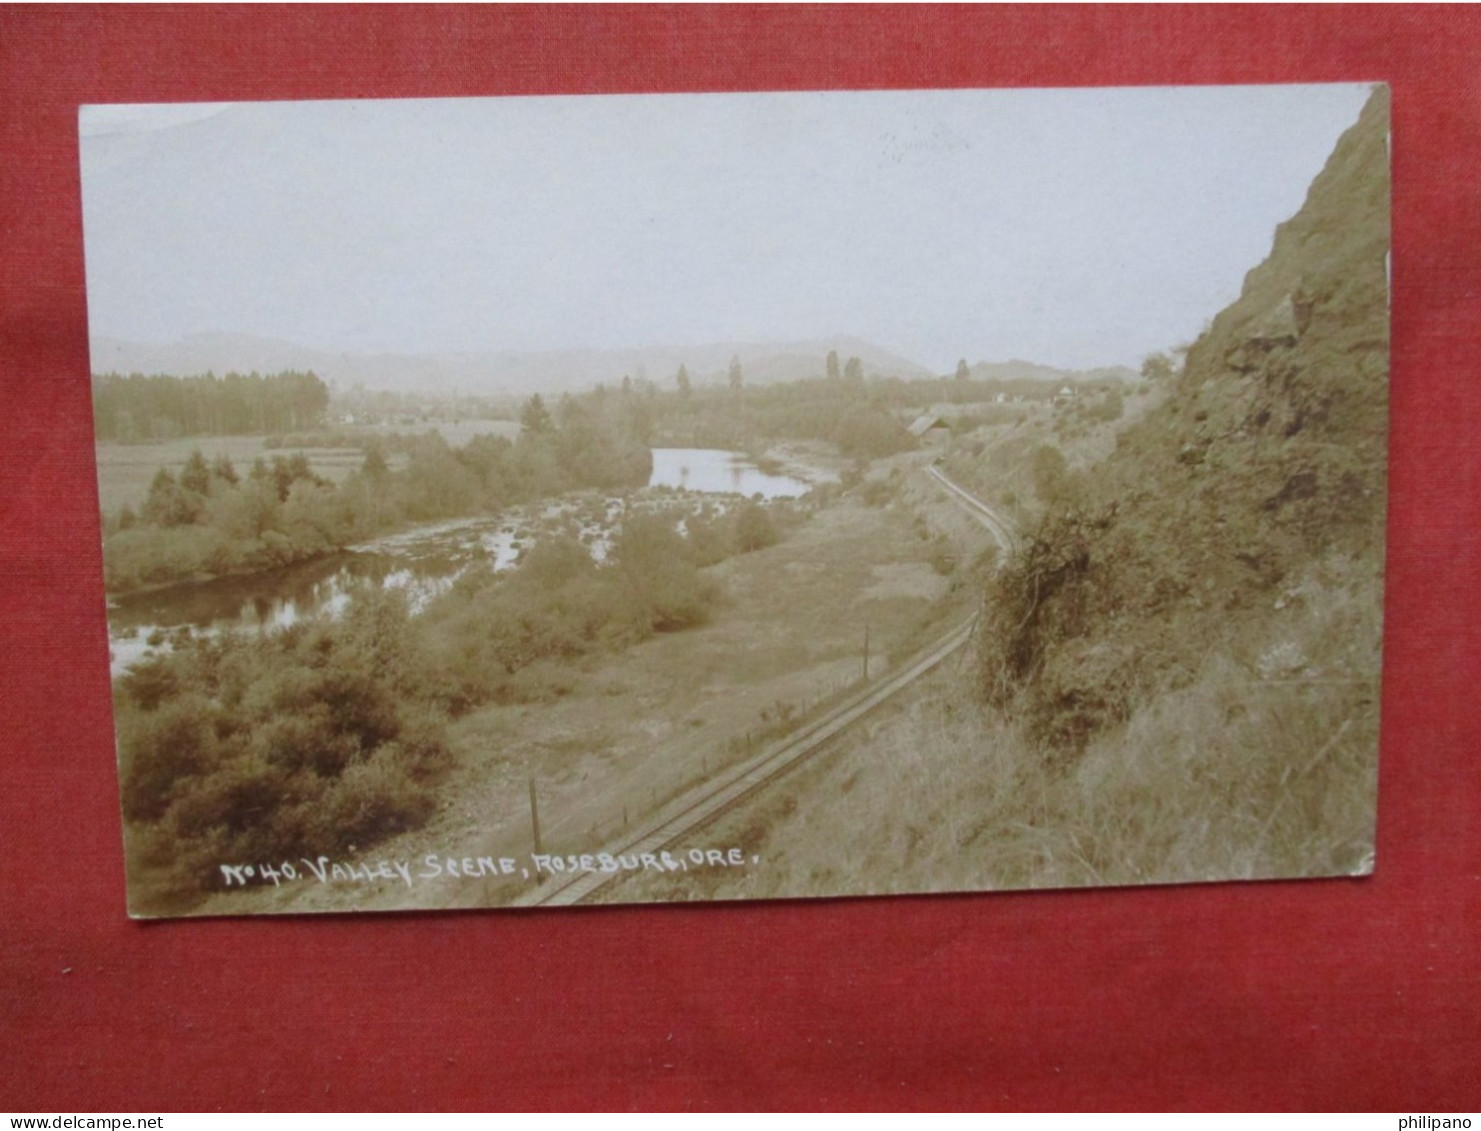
522,502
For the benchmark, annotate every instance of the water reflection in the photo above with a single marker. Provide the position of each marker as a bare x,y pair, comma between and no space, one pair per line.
265,602
712,470
423,562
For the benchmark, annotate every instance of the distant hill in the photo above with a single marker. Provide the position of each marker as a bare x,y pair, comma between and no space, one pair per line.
1016,370
497,372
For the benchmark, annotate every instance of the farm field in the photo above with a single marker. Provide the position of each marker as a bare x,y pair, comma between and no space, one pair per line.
126,470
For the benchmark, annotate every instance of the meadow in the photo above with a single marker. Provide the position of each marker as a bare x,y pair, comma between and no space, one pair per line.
126,470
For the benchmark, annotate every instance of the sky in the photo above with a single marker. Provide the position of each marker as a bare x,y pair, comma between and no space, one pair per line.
1072,228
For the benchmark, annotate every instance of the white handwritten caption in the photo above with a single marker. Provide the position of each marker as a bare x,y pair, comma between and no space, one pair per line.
323,870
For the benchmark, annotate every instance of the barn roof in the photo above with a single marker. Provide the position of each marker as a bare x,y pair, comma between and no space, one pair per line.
925,423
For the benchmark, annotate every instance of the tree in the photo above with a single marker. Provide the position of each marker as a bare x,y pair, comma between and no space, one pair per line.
683,379
627,384
754,529
248,512
1051,476
853,370
569,412
286,472
158,406
534,418
307,398
868,433
375,466
640,422
1109,407
168,504
554,562
664,588
737,379
196,474
962,372
1157,367
833,365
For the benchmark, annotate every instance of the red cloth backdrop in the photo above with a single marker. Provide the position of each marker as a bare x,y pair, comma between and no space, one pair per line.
1361,994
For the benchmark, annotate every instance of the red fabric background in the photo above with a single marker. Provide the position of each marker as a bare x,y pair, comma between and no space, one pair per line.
1346,994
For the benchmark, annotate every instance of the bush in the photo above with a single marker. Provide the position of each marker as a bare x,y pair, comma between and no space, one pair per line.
161,749
665,589
295,744
753,529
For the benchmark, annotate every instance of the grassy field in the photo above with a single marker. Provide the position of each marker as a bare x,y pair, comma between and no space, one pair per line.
126,470
1258,764
1246,773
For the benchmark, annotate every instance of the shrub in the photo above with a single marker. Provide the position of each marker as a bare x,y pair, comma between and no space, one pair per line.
270,748
753,529
665,589
160,750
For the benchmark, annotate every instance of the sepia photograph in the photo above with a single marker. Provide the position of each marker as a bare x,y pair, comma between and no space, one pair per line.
541,501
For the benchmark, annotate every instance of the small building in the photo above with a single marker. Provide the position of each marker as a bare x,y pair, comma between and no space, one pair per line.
931,427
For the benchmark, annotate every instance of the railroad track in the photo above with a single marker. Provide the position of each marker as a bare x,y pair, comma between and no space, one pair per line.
998,527
703,804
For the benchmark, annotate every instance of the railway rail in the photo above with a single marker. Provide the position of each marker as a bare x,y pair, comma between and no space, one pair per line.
703,804
1001,530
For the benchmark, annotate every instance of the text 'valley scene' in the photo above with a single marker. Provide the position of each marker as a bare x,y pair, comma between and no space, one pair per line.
651,499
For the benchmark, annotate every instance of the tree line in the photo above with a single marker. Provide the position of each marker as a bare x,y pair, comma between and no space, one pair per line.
740,417
864,419
211,520
137,408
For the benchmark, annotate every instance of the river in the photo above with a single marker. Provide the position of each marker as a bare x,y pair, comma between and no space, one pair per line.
718,472
424,561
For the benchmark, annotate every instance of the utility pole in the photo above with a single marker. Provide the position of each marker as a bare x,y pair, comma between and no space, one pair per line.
535,815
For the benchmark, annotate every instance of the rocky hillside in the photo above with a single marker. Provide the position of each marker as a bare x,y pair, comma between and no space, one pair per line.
1252,496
